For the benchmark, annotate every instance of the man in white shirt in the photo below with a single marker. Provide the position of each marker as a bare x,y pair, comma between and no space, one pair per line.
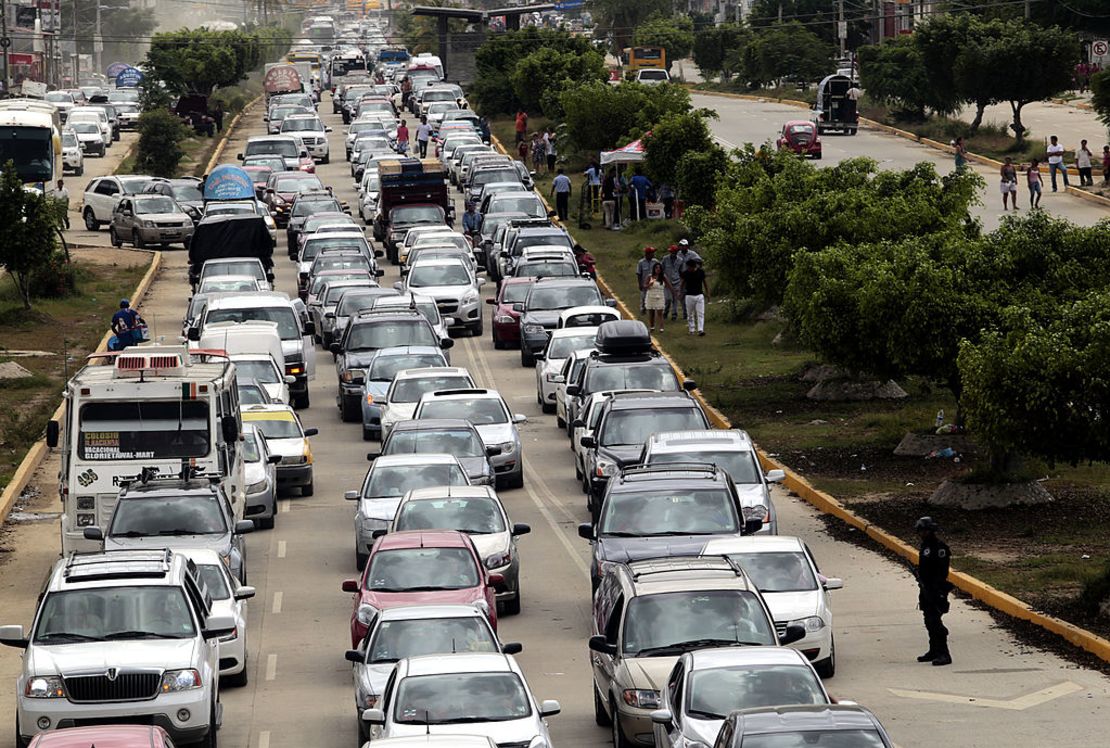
62,194
423,135
1056,161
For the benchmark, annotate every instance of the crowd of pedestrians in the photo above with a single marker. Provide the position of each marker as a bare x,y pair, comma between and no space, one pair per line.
675,284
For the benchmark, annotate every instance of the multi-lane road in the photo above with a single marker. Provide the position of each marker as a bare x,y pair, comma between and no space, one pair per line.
997,693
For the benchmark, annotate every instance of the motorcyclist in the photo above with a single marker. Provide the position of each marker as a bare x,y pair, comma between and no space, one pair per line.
125,325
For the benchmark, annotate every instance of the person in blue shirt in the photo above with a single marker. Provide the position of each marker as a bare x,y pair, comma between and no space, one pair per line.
640,185
561,189
125,325
472,219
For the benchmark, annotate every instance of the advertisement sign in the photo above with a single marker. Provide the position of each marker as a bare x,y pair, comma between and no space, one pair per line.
25,16
282,79
116,68
228,182
129,77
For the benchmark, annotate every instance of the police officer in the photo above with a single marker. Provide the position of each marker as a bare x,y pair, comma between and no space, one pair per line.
933,589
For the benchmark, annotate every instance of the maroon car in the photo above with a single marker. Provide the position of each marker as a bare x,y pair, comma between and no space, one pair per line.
800,136
105,736
282,187
421,567
508,306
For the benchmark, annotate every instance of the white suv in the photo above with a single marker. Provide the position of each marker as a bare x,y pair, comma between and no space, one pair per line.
103,195
312,132
121,636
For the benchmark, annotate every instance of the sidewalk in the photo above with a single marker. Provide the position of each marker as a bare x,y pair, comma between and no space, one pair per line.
1042,119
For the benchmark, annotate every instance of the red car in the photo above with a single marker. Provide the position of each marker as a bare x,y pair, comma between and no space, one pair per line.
508,306
422,567
104,736
800,136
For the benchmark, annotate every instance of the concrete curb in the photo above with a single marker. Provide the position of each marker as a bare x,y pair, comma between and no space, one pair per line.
827,504
38,451
936,144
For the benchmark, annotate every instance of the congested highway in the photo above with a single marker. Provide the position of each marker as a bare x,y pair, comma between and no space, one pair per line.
299,684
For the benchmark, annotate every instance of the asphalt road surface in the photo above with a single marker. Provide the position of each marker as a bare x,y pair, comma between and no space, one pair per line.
997,693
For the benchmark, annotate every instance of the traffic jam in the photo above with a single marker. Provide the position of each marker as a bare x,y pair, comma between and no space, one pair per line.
711,624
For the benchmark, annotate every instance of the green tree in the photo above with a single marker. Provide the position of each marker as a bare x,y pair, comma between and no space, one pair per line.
1100,96
672,137
492,92
697,173
790,50
715,46
159,150
818,15
27,242
940,40
894,73
674,33
620,18
597,116
197,61
548,69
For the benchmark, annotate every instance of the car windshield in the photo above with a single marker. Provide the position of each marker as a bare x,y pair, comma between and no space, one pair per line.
385,368
391,481
816,739
168,515
410,390
302,125
515,293
395,640
143,430
354,301
475,515
59,97
562,347
545,269
478,410
416,214
495,175
214,580
308,207
85,127
69,139
217,284
297,184
233,267
250,394
282,112
678,511
334,292
629,377
107,613
270,162
635,425
251,452
563,297
276,147
441,240
261,370
541,240
715,692
390,334
530,205
785,571
428,309
653,75
358,127
668,623
187,192
456,698
278,428
287,325
372,143
422,569
741,466
458,442
159,204
336,261
135,185
422,276
229,209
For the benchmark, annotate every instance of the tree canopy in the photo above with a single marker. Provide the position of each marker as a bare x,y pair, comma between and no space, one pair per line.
597,116
197,61
29,237
493,91
620,18
714,48
549,70
671,138
673,33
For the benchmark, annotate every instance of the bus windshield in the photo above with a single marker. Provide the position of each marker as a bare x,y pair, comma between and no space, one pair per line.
143,430
32,150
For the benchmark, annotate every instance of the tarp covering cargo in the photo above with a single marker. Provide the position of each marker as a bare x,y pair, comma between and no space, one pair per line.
228,182
230,236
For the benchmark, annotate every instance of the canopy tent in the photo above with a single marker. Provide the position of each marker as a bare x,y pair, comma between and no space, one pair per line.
629,154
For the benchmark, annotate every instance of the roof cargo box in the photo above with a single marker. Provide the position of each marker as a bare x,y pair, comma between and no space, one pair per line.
623,336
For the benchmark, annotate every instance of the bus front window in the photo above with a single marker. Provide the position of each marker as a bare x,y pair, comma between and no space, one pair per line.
32,150
153,430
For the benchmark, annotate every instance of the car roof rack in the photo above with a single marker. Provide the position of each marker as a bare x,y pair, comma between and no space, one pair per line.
465,391
668,467
90,567
644,567
151,475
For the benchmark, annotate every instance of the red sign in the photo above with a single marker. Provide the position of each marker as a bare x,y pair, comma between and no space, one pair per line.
20,58
281,79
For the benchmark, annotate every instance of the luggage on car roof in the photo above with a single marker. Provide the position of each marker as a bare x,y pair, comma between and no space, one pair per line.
623,336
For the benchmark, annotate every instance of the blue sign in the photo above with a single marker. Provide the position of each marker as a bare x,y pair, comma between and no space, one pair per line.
569,4
116,68
228,182
129,77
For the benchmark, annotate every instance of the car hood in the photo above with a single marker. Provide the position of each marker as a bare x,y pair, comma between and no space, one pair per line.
512,732
476,467
703,730
96,657
382,600
371,679
398,412
495,542
622,454
376,388
218,543
496,433
163,217
379,508
292,447
646,672
790,606
547,318
253,472
750,494
358,359
292,348
623,550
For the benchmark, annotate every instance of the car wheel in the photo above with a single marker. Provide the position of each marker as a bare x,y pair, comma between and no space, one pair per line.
349,413
136,239
512,607
114,238
79,171
560,422
300,401
526,357
361,559
826,668
547,407
19,741
498,343
516,481
209,740
619,740
601,717
367,434
309,489
90,220
266,523
239,679
477,330
326,159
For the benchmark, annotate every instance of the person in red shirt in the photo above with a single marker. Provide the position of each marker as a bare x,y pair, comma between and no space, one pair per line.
403,137
521,125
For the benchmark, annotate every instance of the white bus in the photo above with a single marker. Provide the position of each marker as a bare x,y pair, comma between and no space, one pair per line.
152,407
31,136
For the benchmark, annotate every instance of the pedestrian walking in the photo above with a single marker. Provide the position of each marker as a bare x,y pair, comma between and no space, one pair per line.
1083,165
218,116
1009,183
655,293
644,269
423,135
1033,179
62,195
640,186
933,587
539,152
402,137
608,197
560,189
552,149
1106,164
961,153
695,292
672,296
1056,161
521,124
483,127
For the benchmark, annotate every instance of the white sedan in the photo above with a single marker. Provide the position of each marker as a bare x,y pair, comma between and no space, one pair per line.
549,362
229,598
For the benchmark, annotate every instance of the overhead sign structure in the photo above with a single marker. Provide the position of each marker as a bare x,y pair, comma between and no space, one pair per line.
129,77
228,182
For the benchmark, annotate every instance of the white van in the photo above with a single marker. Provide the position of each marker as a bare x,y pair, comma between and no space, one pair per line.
250,345
92,114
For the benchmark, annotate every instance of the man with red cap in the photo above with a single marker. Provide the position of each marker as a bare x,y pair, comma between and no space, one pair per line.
643,272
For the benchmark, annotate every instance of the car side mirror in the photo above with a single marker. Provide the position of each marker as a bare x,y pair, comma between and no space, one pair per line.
371,456
245,593
586,531
492,302
243,526
274,459
375,534
379,254
612,303
335,348
239,156
327,129
446,343
551,214
493,451
53,429
573,390
689,385
311,432
349,585
289,379
13,636
833,583
309,328
775,476
588,442
230,427
558,379
601,645
495,579
93,533
662,717
379,273
578,423
512,648
373,716
522,529
353,655
352,495
518,307
399,286
752,526
540,356
794,632
520,418
193,334
329,315
450,321
217,627
549,708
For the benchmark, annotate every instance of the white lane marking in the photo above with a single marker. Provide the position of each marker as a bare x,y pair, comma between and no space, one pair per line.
726,143
264,739
271,666
281,549
1019,704
277,602
284,507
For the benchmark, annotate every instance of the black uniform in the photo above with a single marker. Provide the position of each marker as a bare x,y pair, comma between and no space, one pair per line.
933,589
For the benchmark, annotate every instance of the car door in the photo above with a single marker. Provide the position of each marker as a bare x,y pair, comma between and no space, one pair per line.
612,613
670,736
306,338
105,197
123,219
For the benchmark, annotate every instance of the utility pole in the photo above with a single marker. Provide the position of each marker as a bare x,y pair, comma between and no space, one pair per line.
98,41
841,28
5,45
780,14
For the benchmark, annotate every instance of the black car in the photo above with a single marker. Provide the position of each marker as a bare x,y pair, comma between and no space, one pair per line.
185,190
627,420
546,300
451,436
662,511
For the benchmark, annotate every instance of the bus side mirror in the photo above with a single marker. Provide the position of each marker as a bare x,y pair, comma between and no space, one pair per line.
230,427
52,431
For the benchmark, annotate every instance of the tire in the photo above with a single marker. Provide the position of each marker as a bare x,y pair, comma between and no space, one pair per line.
547,407
349,414
239,679
210,740
601,717
326,159
361,559
135,240
79,171
512,607
267,523
619,740
90,220
826,668
497,342
367,435
19,741
477,330
560,422
526,357
300,401
309,489
114,238
516,481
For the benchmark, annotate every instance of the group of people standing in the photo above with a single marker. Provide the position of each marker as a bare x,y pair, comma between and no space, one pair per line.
675,283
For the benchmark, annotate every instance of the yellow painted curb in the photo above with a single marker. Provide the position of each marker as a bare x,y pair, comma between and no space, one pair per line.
828,504
38,451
